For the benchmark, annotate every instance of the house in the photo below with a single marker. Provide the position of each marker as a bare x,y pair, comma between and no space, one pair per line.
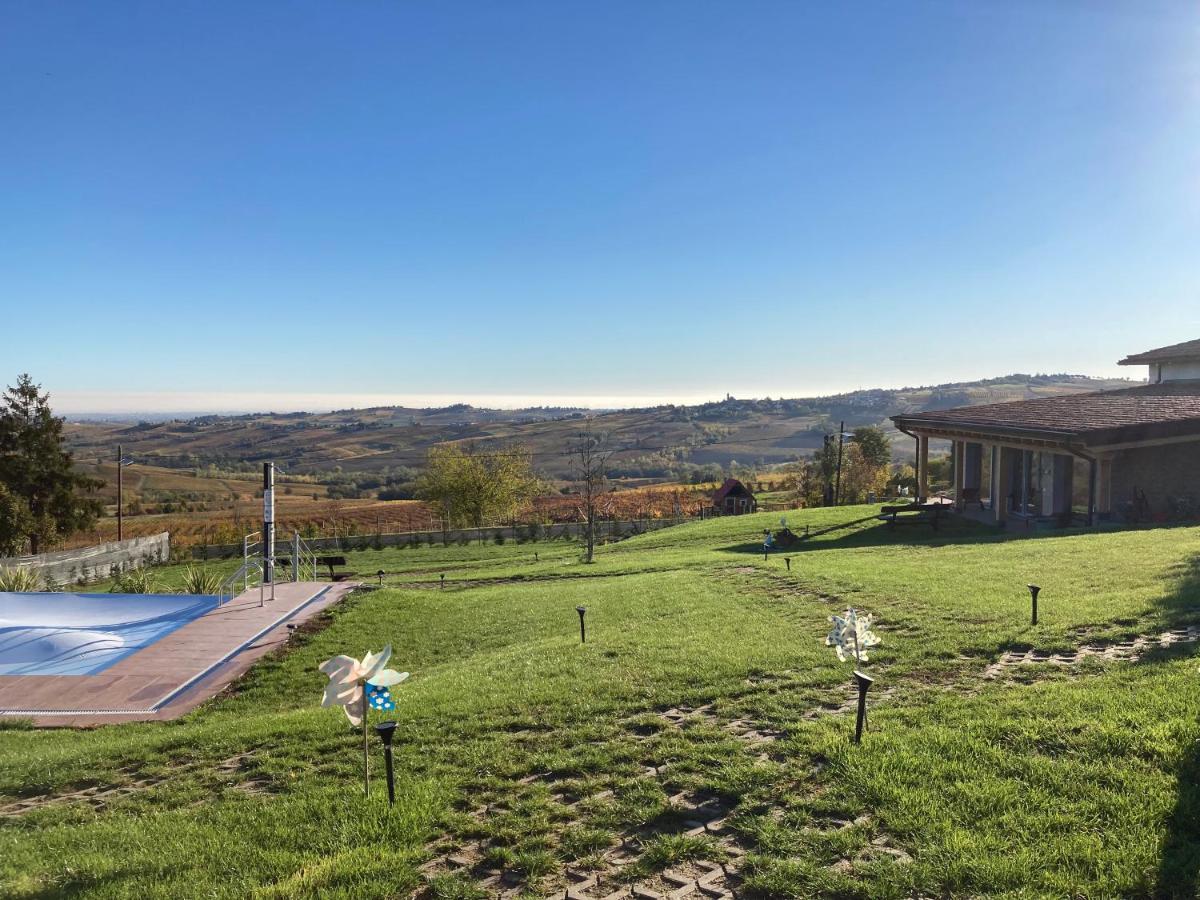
1131,454
733,499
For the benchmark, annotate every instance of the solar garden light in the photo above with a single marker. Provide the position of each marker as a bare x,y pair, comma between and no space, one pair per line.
864,684
291,627
850,637
443,583
1034,590
582,610
380,575
788,560
387,731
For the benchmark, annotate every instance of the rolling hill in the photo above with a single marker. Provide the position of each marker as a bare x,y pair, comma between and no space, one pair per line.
368,449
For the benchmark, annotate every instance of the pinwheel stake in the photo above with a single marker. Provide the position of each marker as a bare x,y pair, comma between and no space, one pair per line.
386,731
1034,590
582,610
850,637
864,684
357,686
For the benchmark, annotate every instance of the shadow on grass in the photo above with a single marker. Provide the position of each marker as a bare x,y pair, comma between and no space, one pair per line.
871,531
1179,867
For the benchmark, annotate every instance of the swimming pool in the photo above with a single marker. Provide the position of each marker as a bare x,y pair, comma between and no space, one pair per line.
82,634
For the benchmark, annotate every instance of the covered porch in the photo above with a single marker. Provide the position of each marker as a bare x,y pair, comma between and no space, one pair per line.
1034,479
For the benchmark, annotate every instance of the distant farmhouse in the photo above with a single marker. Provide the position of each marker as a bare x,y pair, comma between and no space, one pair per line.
1130,454
733,499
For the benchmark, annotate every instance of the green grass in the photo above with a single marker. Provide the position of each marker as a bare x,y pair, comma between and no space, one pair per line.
1056,783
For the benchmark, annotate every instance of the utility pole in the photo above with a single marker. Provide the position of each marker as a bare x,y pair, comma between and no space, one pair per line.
122,462
120,493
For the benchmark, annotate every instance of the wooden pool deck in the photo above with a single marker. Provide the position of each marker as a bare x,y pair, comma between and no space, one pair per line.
176,673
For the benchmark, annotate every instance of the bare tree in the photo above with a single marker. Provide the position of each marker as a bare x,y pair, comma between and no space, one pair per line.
589,463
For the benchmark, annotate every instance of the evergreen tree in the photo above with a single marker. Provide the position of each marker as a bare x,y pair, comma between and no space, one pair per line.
875,446
38,472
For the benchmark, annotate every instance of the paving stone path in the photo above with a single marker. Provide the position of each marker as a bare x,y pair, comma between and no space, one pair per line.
236,772
1130,651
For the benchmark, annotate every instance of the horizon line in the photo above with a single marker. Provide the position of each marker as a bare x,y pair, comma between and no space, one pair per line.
196,403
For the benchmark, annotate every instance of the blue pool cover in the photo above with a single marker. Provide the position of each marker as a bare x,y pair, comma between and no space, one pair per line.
82,634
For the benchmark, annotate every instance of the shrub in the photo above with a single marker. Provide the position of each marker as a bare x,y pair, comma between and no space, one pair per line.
19,580
199,580
135,581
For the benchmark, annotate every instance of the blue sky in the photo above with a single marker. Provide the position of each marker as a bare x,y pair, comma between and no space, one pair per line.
222,205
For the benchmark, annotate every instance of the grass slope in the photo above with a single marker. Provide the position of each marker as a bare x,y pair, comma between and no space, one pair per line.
1054,782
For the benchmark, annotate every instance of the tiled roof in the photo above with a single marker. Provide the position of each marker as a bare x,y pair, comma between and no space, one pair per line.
1101,414
1186,350
729,485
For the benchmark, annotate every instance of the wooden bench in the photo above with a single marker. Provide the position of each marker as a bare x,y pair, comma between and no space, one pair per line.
285,562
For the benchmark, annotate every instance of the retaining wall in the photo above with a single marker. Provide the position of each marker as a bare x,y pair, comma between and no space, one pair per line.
84,564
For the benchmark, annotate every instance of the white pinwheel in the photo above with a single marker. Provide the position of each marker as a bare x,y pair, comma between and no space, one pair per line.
851,635
348,676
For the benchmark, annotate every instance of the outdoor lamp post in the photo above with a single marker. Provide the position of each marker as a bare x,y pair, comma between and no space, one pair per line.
1034,590
864,684
386,731
582,610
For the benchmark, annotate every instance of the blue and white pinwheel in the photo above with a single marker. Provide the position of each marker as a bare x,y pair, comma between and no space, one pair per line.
349,677
851,635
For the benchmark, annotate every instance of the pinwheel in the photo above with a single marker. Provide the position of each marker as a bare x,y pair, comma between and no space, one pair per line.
357,686
348,677
851,635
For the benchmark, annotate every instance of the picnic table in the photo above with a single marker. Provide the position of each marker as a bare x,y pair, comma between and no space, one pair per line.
929,512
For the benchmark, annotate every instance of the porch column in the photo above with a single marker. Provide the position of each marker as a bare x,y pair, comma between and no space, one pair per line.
960,471
923,467
972,466
1002,479
1093,479
1104,487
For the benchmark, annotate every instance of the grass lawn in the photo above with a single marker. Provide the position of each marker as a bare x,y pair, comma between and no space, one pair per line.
704,696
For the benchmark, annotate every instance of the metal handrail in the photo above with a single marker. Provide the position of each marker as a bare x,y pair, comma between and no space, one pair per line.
226,591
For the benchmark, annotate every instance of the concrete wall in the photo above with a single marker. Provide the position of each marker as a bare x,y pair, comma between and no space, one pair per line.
1163,473
604,531
72,567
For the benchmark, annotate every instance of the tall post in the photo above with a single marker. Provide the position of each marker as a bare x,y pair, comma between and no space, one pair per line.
837,491
1093,472
269,523
295,556
120,493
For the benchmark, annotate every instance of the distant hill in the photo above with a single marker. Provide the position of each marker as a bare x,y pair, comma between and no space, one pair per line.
380,449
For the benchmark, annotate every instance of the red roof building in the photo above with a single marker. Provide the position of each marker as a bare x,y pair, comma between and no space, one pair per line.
733,499
1132,453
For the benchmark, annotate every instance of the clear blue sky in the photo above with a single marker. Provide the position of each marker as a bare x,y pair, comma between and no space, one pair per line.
564,199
